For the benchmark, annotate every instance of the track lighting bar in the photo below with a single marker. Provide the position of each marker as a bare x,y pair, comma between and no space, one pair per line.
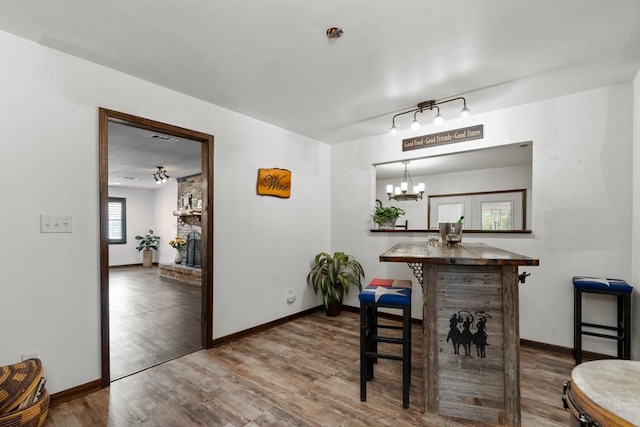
429,105
161,175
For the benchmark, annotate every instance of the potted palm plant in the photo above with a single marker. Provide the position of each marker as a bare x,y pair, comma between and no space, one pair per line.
386,216
147,244
333,276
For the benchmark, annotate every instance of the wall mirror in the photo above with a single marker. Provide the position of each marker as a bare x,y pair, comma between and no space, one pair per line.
494,180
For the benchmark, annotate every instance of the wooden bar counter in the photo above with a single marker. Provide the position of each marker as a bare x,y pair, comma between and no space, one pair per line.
471,340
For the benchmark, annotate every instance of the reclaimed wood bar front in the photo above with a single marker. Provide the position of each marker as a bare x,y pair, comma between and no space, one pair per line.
471,343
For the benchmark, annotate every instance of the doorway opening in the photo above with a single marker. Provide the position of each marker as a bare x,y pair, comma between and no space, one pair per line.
108,118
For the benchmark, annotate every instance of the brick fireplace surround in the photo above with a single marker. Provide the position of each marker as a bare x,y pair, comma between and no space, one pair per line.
182,273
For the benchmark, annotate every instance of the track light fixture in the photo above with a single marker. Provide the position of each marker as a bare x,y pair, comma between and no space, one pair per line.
401,193
161,175
429,105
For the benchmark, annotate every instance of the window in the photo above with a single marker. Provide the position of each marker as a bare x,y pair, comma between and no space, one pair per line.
497,215
117,221
502,210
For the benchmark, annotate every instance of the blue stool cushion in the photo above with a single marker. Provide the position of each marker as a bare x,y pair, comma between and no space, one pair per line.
594,283
385,295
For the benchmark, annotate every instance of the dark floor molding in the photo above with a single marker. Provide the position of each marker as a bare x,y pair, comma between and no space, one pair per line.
72,393
586,355
260,328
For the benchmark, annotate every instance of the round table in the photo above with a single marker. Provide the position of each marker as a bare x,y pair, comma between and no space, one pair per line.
605,393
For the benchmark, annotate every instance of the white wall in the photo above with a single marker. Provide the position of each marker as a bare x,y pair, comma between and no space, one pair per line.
165,223
635,330
140,205
49,290
147,210
581,202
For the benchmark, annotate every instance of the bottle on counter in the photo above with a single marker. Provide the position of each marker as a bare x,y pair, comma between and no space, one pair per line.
459,221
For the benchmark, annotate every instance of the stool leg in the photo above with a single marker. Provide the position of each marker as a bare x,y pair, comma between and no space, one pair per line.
406,355
620,324
374,333
372,344
363,352
577,325
627,326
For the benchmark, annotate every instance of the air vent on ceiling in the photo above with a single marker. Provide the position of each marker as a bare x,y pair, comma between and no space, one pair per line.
131,178
165,138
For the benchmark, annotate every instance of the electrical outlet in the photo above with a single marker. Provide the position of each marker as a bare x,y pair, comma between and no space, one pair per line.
56,224
291,296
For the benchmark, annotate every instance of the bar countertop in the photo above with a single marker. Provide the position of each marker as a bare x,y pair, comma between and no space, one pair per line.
462,254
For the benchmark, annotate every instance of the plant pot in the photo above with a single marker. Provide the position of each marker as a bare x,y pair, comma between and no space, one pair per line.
334,309
147,258
387,224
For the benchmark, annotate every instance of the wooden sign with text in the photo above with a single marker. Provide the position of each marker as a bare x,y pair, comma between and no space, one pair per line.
448,137
274,182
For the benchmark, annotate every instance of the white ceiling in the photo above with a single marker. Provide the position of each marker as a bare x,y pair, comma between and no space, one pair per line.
135,154
271,60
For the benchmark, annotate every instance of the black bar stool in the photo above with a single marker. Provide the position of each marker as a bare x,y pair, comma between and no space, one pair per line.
621,332
380,294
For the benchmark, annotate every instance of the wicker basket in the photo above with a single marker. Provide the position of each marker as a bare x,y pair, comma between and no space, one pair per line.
19,382
31,416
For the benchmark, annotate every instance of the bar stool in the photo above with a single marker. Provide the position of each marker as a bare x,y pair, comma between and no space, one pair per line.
615,287
384,293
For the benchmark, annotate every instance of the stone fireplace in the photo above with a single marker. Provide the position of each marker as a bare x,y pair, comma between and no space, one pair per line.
189,228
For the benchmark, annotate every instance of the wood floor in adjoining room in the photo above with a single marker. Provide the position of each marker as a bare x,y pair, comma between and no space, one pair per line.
151,320
302,373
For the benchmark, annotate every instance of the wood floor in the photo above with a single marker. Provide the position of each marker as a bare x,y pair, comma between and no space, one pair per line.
152,320
302,373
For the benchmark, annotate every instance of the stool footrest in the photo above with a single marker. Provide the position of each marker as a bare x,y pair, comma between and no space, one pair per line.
383,356
593,325
398,328
388,340
596,334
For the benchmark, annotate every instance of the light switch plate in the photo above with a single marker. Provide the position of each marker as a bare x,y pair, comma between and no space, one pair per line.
56,224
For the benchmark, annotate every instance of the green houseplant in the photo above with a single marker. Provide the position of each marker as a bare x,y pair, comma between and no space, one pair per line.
147,244
386,216
333,276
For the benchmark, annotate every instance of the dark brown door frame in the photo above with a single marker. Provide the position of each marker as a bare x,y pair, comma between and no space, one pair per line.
206,318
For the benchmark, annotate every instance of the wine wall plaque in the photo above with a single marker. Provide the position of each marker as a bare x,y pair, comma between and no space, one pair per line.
274,182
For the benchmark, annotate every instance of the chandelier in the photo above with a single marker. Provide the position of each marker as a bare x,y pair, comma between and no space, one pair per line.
161,175
401,193
429,105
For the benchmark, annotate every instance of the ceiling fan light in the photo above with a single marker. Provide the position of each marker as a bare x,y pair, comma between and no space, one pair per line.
465,111
438,120
415,124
